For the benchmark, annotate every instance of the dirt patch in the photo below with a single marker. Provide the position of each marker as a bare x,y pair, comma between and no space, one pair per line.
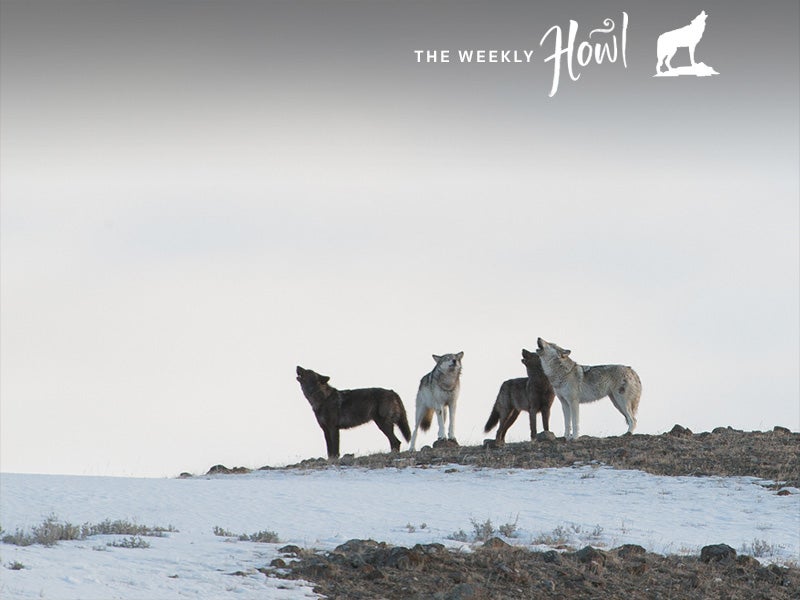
361,569
772,455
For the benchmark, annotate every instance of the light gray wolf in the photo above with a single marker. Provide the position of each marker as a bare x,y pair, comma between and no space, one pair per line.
438,393
685,37
343,409
532,393
575,384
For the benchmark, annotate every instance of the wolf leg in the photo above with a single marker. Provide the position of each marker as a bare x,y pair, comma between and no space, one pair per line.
452,427
506,423
567,418
387,427
668,59
575,411
546,418
623,405
532,415
332,440
691,54
440,416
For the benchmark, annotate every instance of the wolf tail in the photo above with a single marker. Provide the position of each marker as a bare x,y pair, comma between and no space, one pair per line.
494,419
427,419
402,423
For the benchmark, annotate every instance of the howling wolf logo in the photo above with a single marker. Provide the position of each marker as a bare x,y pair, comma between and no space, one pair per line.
686,37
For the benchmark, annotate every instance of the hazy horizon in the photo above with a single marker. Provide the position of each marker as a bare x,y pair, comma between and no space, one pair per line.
198,197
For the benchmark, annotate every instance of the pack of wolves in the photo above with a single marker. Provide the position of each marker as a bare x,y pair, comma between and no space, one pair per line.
550,372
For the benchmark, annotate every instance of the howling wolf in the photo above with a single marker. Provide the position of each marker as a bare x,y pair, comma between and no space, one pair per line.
685,37
438,392
532,393
576,384
343,409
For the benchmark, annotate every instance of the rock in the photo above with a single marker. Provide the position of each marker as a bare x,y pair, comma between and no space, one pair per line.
637,566
185,475
347,460
781,430
405,559
223,470
716,553
358,546
546,436
291,549
430,549
495,543
747,562
628,551
371,572
588,554
278,563
492,444
219,470
680,431
784,492
464,591
451,443
551,556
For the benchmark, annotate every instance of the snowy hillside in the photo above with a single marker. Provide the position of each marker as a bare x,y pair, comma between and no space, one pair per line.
323,508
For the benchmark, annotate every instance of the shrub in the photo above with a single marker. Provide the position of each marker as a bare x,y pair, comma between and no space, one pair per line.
483,531
264,537
134,541
51,531
509,530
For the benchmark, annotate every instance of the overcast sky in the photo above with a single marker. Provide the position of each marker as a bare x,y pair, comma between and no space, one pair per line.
196,197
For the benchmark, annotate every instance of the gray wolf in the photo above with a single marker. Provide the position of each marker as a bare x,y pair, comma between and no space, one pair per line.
576,384
438,393
685,37
532,393
343,409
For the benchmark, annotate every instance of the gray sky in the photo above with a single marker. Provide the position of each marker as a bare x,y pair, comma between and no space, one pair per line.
196,197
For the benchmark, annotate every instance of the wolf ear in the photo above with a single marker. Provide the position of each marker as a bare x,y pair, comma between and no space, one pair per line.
540,343
460,355
525,353
565,353
300,370
437,358
324,379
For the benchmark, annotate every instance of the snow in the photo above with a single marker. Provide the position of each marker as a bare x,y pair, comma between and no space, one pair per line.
322,508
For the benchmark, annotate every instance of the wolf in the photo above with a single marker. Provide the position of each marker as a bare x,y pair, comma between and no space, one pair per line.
685,37
343,409
575,384
438,393
532,393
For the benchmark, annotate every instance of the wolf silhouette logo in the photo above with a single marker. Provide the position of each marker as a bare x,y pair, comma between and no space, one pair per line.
686,37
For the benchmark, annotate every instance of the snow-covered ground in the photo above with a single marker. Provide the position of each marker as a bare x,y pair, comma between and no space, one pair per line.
323,508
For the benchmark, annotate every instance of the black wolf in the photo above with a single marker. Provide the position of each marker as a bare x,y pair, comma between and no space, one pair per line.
532,393
343,409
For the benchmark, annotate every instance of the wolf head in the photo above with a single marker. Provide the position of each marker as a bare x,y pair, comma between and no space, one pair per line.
701,18
530,359
449,363
552,355
311,382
